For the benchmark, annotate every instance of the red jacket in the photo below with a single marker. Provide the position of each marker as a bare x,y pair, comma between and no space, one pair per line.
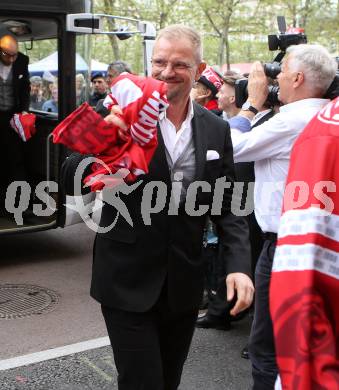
305,277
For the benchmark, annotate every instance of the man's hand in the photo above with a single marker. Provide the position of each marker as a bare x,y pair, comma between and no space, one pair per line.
257,86
242,284
115,117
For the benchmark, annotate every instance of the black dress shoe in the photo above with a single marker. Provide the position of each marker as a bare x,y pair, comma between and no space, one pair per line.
244,352
204,302
210,321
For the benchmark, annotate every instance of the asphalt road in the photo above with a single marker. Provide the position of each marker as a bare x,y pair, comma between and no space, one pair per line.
61,261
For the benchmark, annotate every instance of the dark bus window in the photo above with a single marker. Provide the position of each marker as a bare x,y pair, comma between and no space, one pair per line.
43,70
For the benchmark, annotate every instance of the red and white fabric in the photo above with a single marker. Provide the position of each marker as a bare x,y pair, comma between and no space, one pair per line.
141,100
24,125
211,79
304,287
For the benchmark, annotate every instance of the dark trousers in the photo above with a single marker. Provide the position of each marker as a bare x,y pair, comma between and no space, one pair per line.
11,156
215,286
261,344
150,348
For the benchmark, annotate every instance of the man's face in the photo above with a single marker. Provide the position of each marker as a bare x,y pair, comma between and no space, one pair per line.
8,56
35,88
199,93
55,94
226,97
99,85
111,75
174,61
286,79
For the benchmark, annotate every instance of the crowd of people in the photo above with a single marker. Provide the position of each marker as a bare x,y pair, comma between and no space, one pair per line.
44,89
150,280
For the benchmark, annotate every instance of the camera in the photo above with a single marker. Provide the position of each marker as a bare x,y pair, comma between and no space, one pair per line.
293,36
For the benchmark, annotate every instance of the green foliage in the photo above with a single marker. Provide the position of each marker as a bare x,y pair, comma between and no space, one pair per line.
234,28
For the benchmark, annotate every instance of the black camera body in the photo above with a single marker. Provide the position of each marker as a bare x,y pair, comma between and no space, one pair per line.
282,41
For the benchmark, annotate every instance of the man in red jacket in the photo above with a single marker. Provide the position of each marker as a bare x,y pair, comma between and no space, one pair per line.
305,275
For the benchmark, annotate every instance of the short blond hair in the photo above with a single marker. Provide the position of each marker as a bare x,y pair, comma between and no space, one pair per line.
179,31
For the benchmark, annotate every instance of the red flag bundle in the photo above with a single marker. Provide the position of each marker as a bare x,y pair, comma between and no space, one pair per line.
305,277
24,125
141,101
85,131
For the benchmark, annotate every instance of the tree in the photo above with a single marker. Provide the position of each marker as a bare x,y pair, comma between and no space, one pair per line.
219,16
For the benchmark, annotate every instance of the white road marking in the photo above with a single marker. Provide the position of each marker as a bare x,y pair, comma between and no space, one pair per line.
53,353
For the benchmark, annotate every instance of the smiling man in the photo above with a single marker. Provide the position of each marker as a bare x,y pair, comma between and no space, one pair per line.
149,279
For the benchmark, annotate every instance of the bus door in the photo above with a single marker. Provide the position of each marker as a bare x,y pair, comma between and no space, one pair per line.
91,30
59,47
36,202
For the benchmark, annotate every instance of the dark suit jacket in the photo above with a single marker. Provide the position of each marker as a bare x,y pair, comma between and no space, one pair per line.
131,264
21,84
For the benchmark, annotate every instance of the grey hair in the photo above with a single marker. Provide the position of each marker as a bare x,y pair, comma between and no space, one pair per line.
120,66
35,80
317,64
179,31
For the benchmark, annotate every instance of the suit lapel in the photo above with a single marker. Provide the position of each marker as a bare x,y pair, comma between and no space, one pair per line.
158,167
200,129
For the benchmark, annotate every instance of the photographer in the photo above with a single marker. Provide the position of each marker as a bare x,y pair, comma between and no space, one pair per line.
307,72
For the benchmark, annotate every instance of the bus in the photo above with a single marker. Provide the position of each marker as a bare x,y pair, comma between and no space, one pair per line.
66,26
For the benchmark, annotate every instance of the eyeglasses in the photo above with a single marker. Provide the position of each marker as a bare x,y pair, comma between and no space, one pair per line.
176,66
5,54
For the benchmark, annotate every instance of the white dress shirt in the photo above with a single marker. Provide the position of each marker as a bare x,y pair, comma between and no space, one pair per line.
176,141
269,146
5,71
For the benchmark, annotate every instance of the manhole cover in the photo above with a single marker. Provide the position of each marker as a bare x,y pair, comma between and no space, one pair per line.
22,300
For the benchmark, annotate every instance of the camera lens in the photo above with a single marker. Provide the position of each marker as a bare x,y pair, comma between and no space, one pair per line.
272,69
272,96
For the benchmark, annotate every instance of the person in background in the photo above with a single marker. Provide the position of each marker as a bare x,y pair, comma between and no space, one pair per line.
306,73
115,68
80,89
305,285
205,90
217,315
113,71
36,97
14,98
48,79
51,105
99,88
226,94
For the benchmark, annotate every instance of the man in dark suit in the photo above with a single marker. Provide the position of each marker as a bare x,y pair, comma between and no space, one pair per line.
14,98
149,277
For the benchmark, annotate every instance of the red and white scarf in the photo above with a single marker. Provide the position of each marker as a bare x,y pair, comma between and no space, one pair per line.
141,100
24,125
305,277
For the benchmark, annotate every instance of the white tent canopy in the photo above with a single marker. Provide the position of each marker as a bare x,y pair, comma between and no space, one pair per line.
50,63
